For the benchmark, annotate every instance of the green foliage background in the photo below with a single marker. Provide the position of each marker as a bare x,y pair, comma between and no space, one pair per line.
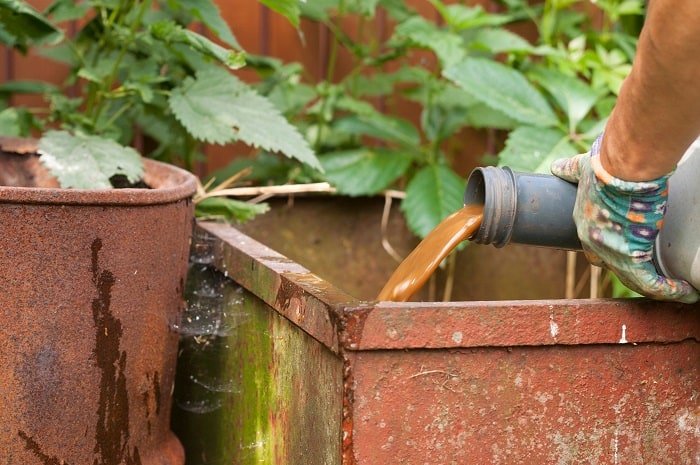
138,65
546,98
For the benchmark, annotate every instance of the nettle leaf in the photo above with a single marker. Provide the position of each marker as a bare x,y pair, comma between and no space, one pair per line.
384,83
67,10
87,162
573,96
500,41
531,149
592,129
219,108
378,126
434,193
170,32
440,122
230,210
503,89
291,98
364,171
208,13
477,114
287,8
448,47
367,121
483,116
21,25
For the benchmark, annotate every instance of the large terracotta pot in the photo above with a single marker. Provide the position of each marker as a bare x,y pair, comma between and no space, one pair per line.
90,288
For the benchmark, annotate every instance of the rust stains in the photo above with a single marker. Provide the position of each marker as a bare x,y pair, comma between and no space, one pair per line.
32,446
348,457
156,391
290,298
353,324
112,431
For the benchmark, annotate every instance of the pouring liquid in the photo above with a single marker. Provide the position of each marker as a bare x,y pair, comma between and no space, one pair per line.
421,263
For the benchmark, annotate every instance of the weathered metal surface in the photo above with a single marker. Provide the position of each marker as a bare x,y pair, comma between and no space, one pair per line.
89,285
297,294
604,405
251,386
515,382
515,323
340,240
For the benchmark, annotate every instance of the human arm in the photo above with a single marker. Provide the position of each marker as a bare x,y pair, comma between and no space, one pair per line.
623,181
657,115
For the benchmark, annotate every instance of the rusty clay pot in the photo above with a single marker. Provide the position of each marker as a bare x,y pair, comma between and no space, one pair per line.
90,286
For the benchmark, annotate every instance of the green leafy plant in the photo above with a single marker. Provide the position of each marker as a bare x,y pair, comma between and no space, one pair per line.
138,66
545,98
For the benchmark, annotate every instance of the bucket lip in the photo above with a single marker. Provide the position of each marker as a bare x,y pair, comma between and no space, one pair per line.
168,184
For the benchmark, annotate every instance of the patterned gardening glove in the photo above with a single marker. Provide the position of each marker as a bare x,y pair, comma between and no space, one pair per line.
617,222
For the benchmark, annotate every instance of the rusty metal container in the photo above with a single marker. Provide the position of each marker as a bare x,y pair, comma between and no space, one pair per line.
314,375
90,284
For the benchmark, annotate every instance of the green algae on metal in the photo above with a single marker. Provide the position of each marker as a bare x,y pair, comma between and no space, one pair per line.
259,390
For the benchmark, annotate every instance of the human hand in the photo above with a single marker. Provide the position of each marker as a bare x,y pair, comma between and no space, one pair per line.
617,222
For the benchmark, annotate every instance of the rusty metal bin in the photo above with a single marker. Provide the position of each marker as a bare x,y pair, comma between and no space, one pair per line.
301,373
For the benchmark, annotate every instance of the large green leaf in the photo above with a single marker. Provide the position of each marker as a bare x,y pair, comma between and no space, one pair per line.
87,162
208,13
170,32
483,116
230,210
217,107
287,8
434,193
448,47
532,149
573,96
364,171
477,115
503,89
21,25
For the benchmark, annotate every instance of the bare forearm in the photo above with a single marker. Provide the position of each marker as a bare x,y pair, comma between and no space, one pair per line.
657,115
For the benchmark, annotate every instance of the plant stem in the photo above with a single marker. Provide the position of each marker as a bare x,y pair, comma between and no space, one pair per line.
98,104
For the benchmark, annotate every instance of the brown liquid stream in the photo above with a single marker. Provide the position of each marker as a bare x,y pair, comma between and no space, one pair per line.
420,264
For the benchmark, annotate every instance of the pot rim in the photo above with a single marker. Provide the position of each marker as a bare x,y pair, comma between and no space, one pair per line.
168,184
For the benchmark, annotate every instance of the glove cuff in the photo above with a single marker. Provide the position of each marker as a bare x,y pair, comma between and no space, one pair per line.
656,186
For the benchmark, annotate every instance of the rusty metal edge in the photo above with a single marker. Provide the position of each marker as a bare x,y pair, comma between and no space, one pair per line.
456,325
291,290
339,321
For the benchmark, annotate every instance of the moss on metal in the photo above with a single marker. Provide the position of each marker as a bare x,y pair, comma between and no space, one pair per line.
259,391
